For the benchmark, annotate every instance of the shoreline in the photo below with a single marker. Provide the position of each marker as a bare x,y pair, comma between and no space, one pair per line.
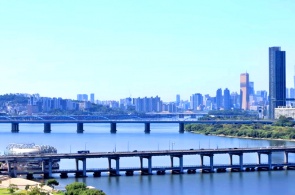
232,136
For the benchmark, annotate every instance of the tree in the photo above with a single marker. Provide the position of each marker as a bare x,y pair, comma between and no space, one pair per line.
37,191
78,188
12,188
27,188
52,183
92,192
75,188
284,121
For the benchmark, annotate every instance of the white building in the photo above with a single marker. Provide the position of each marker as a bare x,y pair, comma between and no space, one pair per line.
285,111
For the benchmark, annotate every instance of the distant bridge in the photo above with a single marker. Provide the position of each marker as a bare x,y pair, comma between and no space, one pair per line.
80,120
47,159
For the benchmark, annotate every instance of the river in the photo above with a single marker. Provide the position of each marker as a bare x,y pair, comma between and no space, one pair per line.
163,136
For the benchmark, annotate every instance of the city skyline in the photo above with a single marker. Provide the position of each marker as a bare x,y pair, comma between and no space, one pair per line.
136,49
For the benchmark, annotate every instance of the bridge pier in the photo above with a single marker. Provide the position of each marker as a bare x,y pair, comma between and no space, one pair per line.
269,158
80,127
241,163
83,166
63,175
30,176
47,173
286,160
45,176
11,171
129,173
149,170
211,161
147,127
286,157
14,127
181,127
96,174
115,172
113,127
50,168
161,172
47,127
77,164
180,157
269,161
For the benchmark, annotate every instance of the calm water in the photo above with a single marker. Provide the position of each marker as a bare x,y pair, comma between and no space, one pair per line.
163,136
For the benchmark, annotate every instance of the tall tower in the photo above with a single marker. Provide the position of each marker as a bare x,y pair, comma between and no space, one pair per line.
277,79
251,88
177,99
196,101
226,99
218,99
92,97
244,89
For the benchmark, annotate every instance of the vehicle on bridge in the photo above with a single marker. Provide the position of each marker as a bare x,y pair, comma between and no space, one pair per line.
83,152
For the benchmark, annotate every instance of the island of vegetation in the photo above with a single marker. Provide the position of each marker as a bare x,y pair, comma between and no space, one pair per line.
283,128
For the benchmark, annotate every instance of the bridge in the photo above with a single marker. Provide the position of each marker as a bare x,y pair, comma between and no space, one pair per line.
11,162
113,120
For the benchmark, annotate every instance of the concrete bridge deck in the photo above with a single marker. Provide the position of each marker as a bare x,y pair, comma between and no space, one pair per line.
81,120
48,159
137,153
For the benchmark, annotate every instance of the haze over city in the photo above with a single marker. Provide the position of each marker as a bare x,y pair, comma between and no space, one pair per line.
131,48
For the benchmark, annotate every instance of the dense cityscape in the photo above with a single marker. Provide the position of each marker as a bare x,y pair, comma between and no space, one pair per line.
247,99
224,100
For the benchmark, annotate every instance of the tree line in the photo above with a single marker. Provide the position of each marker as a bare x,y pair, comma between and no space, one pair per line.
283,128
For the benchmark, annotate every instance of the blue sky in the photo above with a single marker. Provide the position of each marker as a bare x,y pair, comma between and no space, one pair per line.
59,48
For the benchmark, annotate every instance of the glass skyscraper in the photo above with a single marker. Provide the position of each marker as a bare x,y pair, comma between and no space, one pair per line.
277,79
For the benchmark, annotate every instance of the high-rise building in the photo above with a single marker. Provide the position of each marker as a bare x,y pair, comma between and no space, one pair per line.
244,91
277,79
152,104
92,97
85,97
177,99
235,100
251,88
196,101
79,97
226,100
292,93
218,99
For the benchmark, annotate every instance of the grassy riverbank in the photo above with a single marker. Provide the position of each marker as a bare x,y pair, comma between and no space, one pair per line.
281,129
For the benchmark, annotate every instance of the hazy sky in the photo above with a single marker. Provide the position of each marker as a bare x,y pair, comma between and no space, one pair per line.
137,48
